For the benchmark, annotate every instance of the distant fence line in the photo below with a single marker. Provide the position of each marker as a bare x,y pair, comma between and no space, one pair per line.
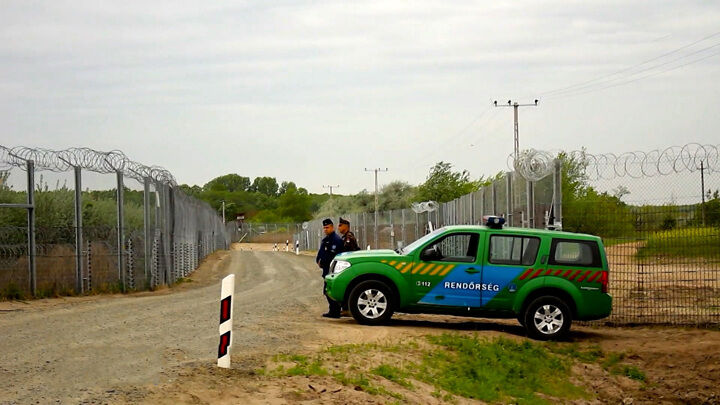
177,231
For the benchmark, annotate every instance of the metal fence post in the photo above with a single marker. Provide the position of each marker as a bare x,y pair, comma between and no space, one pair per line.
392,230
417,226
169,231
120,227
146,225
508,198
32,249
530,206
482,203
375,240
493,199
402,227
78,231
557,190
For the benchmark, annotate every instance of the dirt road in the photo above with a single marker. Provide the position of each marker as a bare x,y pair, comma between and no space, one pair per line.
160,346
79,348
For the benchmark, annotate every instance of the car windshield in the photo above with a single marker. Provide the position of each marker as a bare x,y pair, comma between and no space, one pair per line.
409,248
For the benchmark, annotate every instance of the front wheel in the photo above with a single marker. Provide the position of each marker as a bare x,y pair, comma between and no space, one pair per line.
371,302
547,318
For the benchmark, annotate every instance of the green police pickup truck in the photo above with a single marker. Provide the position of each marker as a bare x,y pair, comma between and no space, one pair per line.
545,279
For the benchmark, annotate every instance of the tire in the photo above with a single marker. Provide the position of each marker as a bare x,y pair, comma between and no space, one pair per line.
371,302
547,318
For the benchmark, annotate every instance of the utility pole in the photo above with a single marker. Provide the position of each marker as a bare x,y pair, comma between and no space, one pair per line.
376,200
331,189
515,107
223,209
529,186
702,185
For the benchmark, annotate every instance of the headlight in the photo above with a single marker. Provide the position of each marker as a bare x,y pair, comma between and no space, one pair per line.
340,265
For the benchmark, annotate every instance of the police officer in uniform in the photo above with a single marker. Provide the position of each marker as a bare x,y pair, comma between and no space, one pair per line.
330,246
349,242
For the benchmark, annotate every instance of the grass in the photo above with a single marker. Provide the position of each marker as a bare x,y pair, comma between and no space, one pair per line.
12,292
586,355
302,366
497,370
456,365
363,383
394,374
613,364
683,242
181,280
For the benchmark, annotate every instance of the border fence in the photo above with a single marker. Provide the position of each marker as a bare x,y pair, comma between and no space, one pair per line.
658,213
75,241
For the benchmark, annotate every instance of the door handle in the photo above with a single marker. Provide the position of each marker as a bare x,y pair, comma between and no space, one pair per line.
471,271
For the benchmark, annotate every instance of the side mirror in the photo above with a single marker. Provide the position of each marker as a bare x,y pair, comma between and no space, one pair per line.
429,253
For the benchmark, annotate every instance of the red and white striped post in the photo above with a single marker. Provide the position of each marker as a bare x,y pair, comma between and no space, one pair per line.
226,311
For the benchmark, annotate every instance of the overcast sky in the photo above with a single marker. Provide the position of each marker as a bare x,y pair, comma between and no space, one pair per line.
315,91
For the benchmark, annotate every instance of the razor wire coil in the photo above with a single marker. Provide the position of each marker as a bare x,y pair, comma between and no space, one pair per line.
534,165
84,158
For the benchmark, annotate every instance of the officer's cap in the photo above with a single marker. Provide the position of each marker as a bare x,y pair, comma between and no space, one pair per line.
344,221
327,221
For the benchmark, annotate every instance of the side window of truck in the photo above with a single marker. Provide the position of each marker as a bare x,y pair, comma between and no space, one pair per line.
457,247
511,249
574,253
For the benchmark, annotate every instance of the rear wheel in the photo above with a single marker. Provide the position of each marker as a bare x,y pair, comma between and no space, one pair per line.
371,302
547,318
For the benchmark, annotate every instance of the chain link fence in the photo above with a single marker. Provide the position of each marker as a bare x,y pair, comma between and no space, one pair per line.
658,213
68,240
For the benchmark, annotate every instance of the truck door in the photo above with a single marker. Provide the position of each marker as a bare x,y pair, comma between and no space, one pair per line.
448,272
510,261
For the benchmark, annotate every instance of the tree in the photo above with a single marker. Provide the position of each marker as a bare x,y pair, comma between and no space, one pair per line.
285,185
294,203
193,191
443,184
265,185
587,210
228,182
396,195
712,209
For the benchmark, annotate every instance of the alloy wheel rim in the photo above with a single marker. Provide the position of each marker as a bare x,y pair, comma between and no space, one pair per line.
372,303
548,319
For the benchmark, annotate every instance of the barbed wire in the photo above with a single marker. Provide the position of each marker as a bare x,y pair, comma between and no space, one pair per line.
425,206
85,158
534,165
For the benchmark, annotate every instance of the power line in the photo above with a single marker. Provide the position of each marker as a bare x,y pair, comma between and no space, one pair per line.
608,82
631,67
641,77
447,141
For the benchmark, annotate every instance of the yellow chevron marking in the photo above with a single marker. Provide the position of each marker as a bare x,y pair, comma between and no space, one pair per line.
383,261
446,271
392,263
449,267
400,265
426,269
418,267
408,267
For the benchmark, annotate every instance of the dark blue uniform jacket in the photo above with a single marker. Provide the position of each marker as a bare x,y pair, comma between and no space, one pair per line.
330,246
